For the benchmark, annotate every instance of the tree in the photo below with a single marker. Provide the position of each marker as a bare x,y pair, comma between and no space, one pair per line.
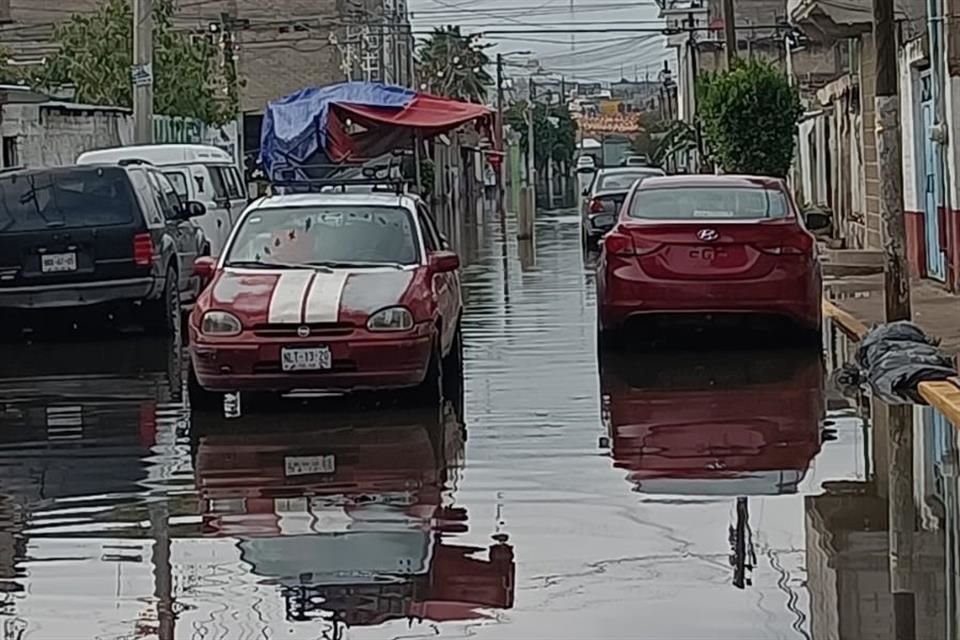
680,138
749,117
555,131
455,65
96,53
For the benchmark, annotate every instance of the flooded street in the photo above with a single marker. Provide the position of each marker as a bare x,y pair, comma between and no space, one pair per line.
700,494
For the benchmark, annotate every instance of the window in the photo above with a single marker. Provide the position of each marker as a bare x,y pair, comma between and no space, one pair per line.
236,178
71,197
709,203
337,235
217,181
623,180
228,177
179,182
165,198
11,154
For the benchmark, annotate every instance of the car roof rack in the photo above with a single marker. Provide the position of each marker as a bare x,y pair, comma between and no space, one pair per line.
370,176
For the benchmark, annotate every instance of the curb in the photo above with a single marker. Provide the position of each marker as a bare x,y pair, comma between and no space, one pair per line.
942,395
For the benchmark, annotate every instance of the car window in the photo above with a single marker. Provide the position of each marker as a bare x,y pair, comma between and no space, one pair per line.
165,197
68,198
179,182
622,179
218,183
710,203
229,179
168,190
431,236
340,234
241,186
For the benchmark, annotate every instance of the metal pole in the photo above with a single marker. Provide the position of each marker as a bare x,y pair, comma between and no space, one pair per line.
897,302
501,179
143,71
729,33
531,148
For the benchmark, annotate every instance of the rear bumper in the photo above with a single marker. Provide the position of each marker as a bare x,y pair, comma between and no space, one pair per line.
624,298
78,294
358,364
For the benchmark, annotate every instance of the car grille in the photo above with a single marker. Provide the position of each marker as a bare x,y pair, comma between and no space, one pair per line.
290,330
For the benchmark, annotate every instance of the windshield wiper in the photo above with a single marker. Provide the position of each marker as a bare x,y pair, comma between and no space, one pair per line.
259,264
360,265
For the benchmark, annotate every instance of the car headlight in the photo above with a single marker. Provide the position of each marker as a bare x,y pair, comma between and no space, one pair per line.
220,323
391,319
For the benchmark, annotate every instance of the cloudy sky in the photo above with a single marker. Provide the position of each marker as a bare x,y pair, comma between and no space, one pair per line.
615,36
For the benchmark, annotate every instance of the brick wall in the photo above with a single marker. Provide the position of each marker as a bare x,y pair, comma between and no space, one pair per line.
870,231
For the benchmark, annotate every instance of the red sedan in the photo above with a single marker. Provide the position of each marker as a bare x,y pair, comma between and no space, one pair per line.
329,291
708,245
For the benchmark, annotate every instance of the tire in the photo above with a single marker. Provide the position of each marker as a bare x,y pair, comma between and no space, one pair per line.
162,317
430,391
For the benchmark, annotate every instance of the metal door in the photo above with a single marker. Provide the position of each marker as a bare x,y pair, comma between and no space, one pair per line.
936,261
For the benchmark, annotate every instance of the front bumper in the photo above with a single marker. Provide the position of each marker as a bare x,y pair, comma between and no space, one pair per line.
358,362
78,294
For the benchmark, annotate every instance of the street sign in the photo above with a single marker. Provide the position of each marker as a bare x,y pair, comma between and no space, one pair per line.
141,75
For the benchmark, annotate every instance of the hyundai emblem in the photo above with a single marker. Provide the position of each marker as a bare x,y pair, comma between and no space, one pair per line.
707,235
303,331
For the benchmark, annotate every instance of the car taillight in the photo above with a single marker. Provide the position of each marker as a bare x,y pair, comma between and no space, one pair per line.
142,250
797,245
617,244
596,206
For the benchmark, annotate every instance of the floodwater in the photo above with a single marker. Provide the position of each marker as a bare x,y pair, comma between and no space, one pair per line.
704,494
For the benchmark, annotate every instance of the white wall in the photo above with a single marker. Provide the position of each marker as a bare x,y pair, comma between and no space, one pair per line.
909,107
54,137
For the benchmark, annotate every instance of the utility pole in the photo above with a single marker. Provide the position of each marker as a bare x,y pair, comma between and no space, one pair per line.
142,72
500,144
531,153
729,32
528,201
896,289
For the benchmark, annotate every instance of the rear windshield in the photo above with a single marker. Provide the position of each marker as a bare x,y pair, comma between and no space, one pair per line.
362,235
716,203
622,180
65,199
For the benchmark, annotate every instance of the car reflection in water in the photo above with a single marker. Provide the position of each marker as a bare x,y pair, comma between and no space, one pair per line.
350,514
714,423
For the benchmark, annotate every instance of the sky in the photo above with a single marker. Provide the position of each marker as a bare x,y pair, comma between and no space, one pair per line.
596,56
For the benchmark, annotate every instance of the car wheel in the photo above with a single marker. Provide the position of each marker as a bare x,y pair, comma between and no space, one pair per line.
162,316
430,391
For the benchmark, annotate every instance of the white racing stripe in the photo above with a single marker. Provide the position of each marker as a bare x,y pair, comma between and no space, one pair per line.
323,300
286,302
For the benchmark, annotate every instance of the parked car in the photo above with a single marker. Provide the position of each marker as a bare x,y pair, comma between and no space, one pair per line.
329,291
708,245
90,236
640,160
603,197
199,173
586,164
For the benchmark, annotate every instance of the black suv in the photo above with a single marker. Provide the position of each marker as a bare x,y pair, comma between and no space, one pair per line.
83,236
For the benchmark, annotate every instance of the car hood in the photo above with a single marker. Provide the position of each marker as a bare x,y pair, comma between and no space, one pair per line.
293,296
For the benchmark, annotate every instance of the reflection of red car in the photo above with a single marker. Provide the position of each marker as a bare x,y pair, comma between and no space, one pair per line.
355,514
328,291
725,245
715,423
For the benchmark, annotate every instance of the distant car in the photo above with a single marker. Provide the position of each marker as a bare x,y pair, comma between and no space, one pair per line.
603,197
585,164
636,161
329,291
709,245
97,236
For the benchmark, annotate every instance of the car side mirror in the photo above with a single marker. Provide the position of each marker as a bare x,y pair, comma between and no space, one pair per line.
192,209
444,261
204,267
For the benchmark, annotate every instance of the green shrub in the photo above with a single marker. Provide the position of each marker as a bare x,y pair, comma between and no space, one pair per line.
749,117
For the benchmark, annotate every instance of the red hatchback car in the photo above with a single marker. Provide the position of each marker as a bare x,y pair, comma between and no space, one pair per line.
708,245
329,291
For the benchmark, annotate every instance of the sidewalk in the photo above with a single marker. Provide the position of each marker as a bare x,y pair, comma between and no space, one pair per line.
856,303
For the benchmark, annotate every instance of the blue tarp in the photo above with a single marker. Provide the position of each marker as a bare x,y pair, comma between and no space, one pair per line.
294,127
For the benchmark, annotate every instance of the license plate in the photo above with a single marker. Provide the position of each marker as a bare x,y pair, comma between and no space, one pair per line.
316,359
58,262
308,465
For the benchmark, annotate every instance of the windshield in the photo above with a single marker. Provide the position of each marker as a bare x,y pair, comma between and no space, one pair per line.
697,203
65,198
623,180
330,235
